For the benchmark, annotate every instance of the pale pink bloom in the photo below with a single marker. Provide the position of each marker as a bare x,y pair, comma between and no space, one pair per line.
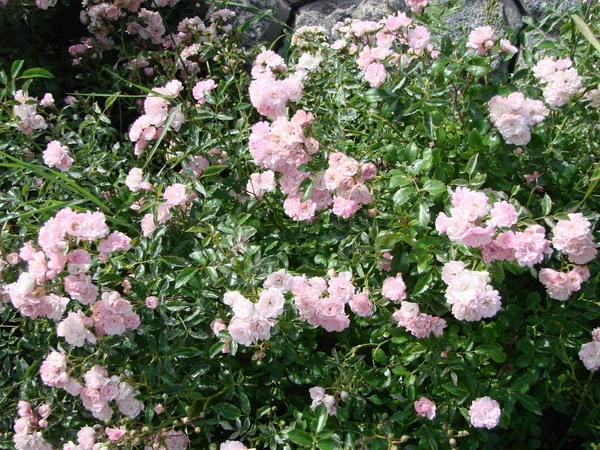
74,329
469,205
471,297
590,355
394,288
596,334
200,88
232,445
425,408
175,195
531,246
175,440
503,214
152,302
344,207
47,101
270,303
386,264
368,171
544,69
148,225
80,256
556,283
13,258
507,47
573,237
341,287
241,331
309,62
418,37
417,5
399,20
485,412
562,85
35,440
134,179
452,269
159,409
298,210
114,434
279,280
481,39
80,288
361,305
514,129
260,183
375,74
57,155
115,242
53,370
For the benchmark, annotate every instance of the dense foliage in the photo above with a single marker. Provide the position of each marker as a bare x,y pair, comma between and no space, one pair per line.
380,236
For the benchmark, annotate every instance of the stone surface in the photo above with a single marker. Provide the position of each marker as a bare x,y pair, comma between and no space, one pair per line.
537,8
265,30
327,13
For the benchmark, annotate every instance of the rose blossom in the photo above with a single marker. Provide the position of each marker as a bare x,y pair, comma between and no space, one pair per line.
485,412
425,408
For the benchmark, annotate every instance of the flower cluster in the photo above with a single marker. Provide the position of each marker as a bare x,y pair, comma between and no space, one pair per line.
381,44
590,352
157,109
268,94
482,40
420,325
318,396
573,237
322,302
485,412
201,88
465,226
54,373
100,389
515,115
561,80
27,436
232,445
469,292
417,5
345,176
26,111
57,155
561,285
253,321
86,438
169,440
113,315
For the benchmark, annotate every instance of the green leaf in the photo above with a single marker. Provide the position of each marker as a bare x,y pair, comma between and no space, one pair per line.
302,438
528,402
585,30
422,285
434,187
322,415
494,350
376,95
184,276
213,170
424,216
37,73
546,204
402,195
227,410
547,44
479,71
472,164
16,68
328,444
474,139
3,77
400,180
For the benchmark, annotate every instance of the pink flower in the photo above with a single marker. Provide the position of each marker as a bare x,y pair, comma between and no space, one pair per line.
375,74
394,288
200,88
270,303
175,195
74,329
175,440
531,178
152,302
344,207
232,445
504,214
507,47
573,237
361,305
57,155
159,408
531,246
417,5
114,434
485,412
115,242
590,355
425,408
368,171
418,37
481,39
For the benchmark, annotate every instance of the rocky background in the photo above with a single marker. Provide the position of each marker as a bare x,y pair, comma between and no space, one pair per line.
463,16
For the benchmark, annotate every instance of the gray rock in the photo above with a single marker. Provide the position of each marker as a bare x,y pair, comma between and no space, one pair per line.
537,8
327,13
265,29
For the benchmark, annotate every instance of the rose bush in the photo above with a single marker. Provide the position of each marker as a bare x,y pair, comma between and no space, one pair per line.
378,236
